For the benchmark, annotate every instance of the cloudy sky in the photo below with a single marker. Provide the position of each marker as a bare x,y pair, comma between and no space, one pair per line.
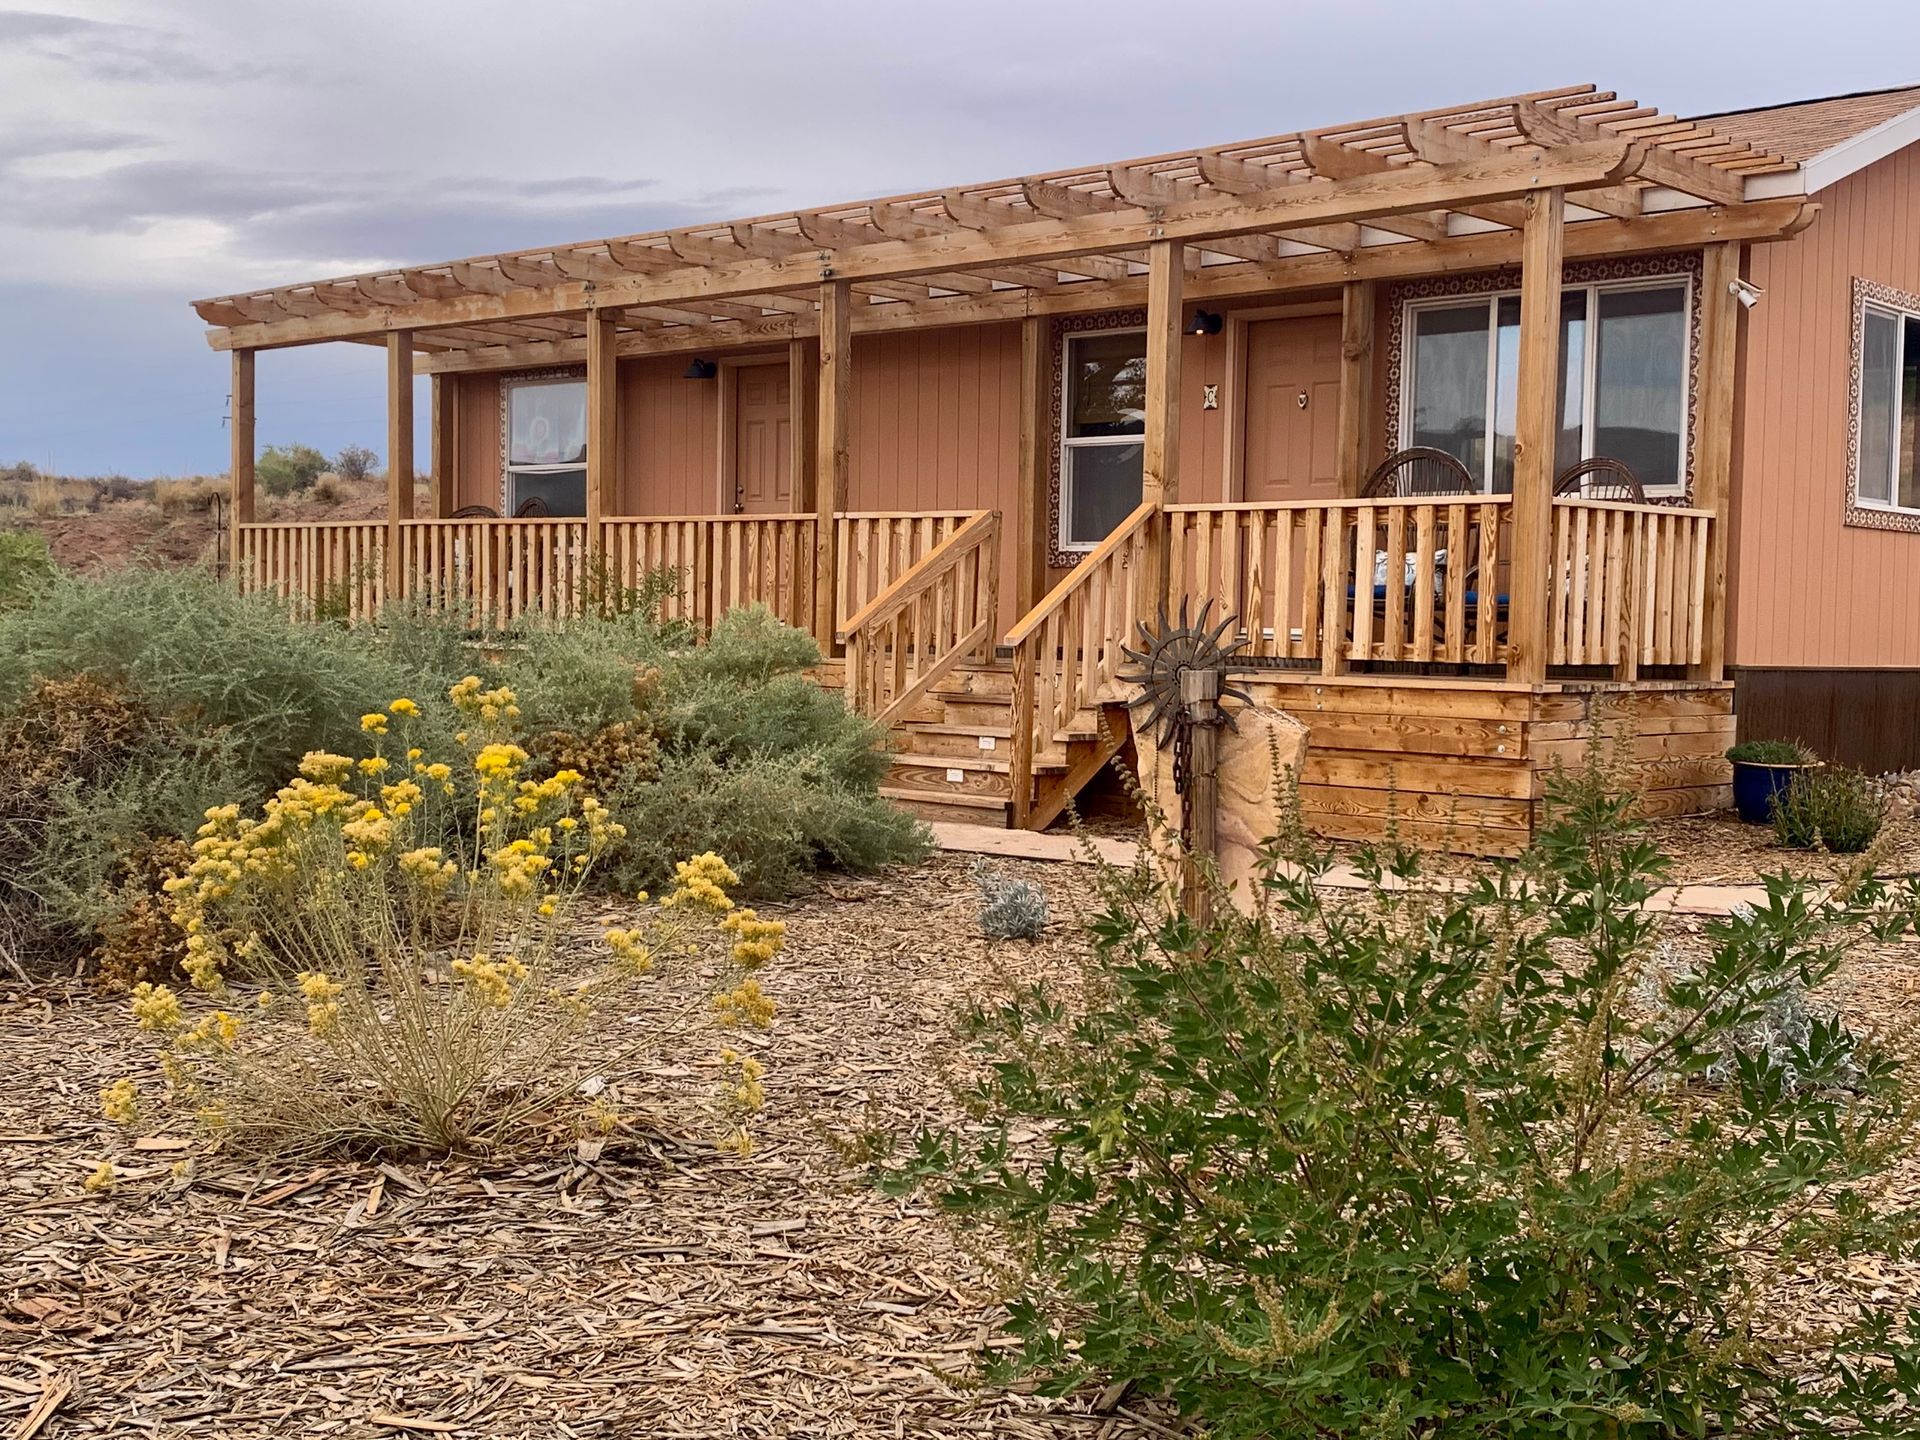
153,151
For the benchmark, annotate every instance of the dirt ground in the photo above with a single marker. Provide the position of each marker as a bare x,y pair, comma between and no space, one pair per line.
661,1289
656,1289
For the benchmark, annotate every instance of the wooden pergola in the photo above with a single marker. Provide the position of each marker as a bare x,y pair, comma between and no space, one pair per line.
1530,180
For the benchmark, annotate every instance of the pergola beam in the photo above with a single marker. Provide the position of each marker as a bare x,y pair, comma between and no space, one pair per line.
1758,221
1499,177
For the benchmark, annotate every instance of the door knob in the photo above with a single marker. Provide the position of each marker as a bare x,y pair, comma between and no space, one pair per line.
1301,400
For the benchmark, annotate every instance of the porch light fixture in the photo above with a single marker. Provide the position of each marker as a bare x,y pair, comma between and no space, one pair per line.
700,370
1204,322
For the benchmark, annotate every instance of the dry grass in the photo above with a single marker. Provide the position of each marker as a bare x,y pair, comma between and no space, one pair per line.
188,496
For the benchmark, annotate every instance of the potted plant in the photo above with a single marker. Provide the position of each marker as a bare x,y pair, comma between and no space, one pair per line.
1763,769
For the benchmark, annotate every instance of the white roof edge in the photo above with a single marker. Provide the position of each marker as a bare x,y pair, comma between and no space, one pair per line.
1849,157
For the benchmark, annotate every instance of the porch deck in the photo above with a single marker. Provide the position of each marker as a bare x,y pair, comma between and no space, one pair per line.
1388,625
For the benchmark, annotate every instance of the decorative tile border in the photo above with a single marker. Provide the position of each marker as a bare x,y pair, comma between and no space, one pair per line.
1584,272
506,378
1871,517
1063,326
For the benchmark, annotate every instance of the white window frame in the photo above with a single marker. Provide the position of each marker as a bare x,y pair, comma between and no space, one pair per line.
508,502
1900,316
1589,373
1065,545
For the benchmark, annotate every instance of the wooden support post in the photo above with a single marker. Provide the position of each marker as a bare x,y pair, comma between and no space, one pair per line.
603,423
1030,538
803,384
834,466
240,467
1536,427
1356,385
399,453
446,391
1200,803
1713,447
1159,479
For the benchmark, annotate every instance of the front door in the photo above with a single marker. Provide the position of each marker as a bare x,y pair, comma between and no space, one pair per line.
762,439
1293,409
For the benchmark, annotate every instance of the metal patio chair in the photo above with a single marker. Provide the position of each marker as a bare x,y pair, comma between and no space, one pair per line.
1601,478
1419,470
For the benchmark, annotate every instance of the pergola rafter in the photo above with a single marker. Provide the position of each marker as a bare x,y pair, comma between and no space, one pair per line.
1044,242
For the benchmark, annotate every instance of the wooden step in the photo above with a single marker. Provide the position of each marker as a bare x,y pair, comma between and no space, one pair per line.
941,776
964,810
961,741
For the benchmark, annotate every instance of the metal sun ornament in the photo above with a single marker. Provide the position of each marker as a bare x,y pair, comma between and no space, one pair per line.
1166,651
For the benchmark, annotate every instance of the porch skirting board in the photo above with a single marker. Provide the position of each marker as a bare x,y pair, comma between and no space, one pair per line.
1465,765
1869,719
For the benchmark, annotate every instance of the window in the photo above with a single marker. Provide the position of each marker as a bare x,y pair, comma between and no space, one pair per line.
1101,445
1889,416
547,445
1622,386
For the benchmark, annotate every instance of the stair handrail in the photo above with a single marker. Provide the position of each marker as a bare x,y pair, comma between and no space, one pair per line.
979,535
1031,730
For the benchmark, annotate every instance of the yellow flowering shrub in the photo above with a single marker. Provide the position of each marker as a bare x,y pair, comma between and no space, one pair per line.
398,920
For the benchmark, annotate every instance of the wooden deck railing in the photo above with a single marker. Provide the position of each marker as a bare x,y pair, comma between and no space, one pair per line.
493,573
327,569
723,562
1067,649
942,611
877,547
1342,580
1627,585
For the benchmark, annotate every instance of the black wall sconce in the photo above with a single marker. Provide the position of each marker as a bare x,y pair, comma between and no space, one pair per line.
700,370
1204,322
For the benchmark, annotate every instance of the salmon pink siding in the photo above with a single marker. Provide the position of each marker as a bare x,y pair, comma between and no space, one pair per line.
669,441
1807,589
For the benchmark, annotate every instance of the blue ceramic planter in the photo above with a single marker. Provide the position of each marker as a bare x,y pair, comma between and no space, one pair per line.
1754,787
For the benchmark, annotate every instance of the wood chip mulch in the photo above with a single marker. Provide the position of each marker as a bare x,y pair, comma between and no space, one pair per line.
651,1288
648,1287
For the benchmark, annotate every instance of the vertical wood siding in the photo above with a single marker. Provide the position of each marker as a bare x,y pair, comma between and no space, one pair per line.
476,441
669,440
1807,589
936,426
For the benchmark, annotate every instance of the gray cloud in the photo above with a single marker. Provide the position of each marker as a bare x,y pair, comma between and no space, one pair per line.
115,51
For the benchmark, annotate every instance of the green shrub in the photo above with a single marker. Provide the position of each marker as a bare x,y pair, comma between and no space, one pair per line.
1771,752
188,645
288,469
777,819
1423,1165
1832,808
26,564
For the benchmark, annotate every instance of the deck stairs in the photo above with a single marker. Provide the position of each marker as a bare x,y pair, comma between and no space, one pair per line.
953,751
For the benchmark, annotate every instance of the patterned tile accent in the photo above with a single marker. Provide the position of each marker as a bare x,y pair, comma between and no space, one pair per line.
1063,326
1870,517
1583,272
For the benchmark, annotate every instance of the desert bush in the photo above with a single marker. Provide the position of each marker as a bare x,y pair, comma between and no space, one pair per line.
187,497
1832,808
328,489
778,819
138,939
1010,909
93,777
288,469
25,565
1421,1163
403,994
355,463
189,646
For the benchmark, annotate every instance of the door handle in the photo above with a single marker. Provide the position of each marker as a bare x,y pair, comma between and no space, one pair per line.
1301,400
